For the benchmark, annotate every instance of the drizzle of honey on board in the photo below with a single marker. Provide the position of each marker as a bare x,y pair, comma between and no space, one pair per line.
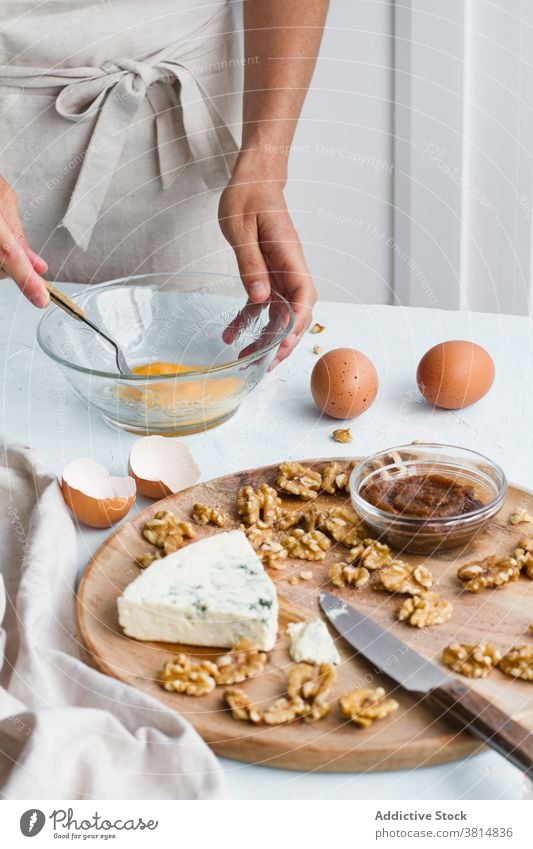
171,394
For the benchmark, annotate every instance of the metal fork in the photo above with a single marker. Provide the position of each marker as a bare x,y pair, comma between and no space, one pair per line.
72,309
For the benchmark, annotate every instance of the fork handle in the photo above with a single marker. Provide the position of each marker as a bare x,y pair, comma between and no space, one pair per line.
65,303
479,716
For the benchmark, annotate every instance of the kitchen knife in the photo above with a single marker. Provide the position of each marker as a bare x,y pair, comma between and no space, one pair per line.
451,697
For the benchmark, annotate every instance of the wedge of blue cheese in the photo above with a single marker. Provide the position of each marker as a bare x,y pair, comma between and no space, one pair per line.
211,593
311,642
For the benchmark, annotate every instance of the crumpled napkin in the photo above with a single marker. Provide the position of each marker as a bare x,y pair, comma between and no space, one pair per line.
66,730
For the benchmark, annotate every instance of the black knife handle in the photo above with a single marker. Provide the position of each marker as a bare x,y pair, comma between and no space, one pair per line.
476,714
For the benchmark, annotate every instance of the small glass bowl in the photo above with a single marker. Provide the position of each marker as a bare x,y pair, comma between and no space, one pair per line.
428,534
203,323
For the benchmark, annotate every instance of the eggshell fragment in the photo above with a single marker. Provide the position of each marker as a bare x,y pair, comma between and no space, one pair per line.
161,466
344,383
95,497
455,374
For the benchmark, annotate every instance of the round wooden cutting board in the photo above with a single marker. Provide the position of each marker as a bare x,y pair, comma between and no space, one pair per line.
412,736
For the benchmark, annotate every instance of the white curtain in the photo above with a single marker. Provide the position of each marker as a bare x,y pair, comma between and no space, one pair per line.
463,130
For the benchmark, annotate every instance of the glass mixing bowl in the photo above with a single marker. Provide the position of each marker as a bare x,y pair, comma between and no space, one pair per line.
216,347
482,478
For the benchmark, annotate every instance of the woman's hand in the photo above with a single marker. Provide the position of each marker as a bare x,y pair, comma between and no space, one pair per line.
255,221
17,260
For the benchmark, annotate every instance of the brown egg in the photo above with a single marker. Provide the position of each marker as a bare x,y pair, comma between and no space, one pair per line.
344,383
455,374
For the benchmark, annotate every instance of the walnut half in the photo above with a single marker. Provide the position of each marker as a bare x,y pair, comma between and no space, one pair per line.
306,545
205,514
260,507
475,660
243,662
364,705
307,690
166,531
296,479
193,678
518,662
491,572
400,577
424,610
343,574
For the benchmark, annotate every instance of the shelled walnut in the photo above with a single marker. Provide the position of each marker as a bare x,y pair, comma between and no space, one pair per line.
281,711
311,519
306,545
260,507
167,532
242,707
336,476
343,574
267,546
424,610
518,662
205,514
475,660
198,677
342,525
307,690
309,686
244,661
147,558
371,554
491,572
193,678
364,705
330,474
520,516
524,555
342,434
296,479
400,577
290,519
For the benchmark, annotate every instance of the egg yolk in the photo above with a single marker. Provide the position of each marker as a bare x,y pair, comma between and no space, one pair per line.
162,368
174,394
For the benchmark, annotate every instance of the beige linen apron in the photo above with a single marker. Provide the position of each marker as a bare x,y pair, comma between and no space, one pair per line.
119,123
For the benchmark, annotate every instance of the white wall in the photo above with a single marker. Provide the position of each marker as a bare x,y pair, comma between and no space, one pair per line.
463,154
340,185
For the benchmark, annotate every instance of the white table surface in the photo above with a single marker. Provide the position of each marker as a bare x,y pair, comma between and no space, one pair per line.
279,421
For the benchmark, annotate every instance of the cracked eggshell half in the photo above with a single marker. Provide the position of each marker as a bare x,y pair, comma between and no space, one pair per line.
95,497
162,466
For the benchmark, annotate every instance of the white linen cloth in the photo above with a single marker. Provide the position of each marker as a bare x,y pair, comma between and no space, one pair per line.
103,107
66,730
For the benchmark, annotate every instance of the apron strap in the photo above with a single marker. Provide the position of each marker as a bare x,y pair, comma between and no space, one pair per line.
116,95
113,93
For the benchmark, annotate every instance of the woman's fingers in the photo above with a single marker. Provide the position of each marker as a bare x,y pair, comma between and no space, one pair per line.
40,265
16,263
296,284
253,270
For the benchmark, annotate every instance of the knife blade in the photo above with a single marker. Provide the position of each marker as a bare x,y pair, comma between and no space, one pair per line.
455,701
